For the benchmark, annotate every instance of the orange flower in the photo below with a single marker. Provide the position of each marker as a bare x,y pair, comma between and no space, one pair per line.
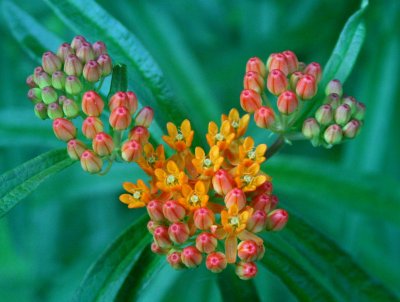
139,194
179,139
194,198
207,165
152,159
247,151
221,138
238,125
171,178
248,177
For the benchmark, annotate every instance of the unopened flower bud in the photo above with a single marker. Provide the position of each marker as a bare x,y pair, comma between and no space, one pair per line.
50,62
256,223
294,78
235,197
125,99
64,129
216,262
49,95
58,80
85,52
73,85
351,129
99,48
70,108
334,86
139,134
360,111
254,81
301,66
75,148
277,82
156,249
291,60
103,144
178,232
64,50
191,257
264,117
333,99
287,102
314,69
222,182
105,63
173,211
155,210
42,79
91,126
41,111
352,102
311,128
61,99
175,260
132,102
265,188
92,71
145,117
333,134
54,111
206,242
90,162
324,114
306,87
73,66
131,151
120,118
92,103
277,61
30,82
246,270
263,202
77,42
250,100
248,250
203,218
151,226
277,220
35,95
161,237
342,114
256,65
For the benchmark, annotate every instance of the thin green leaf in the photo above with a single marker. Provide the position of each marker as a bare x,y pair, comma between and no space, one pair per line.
22,180
119,81
108,274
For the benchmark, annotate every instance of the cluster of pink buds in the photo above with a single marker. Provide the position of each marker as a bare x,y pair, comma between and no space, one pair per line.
66,89
338,119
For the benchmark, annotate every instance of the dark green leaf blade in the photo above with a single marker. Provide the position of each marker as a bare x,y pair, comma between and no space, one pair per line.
119,81
22,180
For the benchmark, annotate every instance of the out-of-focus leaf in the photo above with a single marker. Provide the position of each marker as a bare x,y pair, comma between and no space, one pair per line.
22,180
108,274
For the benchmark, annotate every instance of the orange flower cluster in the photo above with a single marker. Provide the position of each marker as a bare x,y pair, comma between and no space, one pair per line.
197,199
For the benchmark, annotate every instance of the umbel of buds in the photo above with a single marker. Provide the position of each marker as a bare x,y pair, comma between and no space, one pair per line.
66,88
206,205
338,120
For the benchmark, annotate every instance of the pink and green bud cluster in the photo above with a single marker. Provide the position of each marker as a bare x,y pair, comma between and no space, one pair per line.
338,120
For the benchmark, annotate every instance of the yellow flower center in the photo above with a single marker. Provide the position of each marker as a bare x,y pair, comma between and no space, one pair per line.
251,154
234,221
151,160
247,179
171,179
137,195
219,137
194,199
207,162
179,137
235,124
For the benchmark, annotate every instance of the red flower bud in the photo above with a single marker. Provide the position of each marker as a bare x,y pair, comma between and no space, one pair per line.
155,211
72,65
254,81
92,71
156,249
92,103
161,237
246,270
264,117
203,218
287,102
90,162
99,48
250,100
257,221
105,63
54,111
50,62
73,85
120,119
216,262
91,126
306,87
103,144
277,219
291,60
139,134
256,65
248,250
333,134
75,148
64,129
265,188
85,52
191,257
77,42
206,242
178,232
64,50
131,151
222,182
173,211
277,61
175,260
125,99
237,197
314,69
151,226
277,82
351,129
41,111
263,202
145,117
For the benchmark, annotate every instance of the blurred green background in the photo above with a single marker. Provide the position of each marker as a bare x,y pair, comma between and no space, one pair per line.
50,239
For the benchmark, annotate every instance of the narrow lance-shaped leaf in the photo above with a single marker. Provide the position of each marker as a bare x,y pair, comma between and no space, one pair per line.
18,183
119,81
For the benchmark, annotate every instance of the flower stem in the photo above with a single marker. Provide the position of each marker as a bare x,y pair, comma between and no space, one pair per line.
275,147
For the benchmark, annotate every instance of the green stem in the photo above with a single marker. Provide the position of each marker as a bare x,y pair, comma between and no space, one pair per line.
275,147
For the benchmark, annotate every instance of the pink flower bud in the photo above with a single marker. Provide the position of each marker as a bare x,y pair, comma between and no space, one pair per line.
360,111
222,182
216,262
294,79
256,65
156,249
248,250
42,79
103,144
51,62
75,148
257,221
30,82
105,63
324,115
264,202
99,48
178,232
191,257
342,114
277,82
41,111
175,260
64,50
311,128
333,134
265,188
92,103
314,69
77,42
139,134
287,102
131,151
90,162
54,111
351,129
120,118
277,61
70,108
291,60
85,52
173,211
35,95
64,129
203,218
246,270
73,85
250,100
49,95
125,99
206,242
276,220
264,117
306,87
333,99
91,126
155,210
351,102
58,80
334,86
237,197
254,81
161,237
144,117
151,226
92,71
72,65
